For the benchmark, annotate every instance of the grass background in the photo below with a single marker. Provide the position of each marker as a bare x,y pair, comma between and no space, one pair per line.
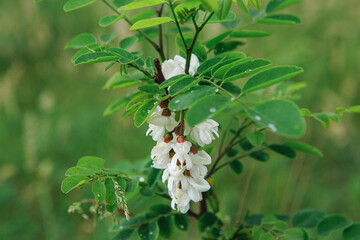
51,115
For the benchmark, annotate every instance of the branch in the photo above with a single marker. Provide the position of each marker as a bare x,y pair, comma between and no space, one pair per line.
161,45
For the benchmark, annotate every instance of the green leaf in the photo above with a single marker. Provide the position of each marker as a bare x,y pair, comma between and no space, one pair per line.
254,220
91,161
76,4
276,5
227,46
120,3
245,69
352,232
280,19
212,42
216,233
166,226
162,209
210,5
144,112
243,6
175,79
125,234
182,85
116,106
125,56
118,81
153,176
127,43
152,89
72,182
294,234
353,109
223,8
110,191
303,147
81,40
229,18
141,4
181,221
132,185
283,150
260,156
236,166
222,68
188,99
145,23
148,231
206,221
256,138
143,15
109,20
205,108
307,218
249,34
108,37
83,170
280,116
323,118
231,88
99,191
96,58
332,223
209,64
270,77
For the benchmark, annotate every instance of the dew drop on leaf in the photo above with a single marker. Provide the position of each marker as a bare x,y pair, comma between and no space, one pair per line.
177,101
258,118
212,110
272,127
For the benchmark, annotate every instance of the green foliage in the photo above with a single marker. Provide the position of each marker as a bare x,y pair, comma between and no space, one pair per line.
307,218
140,4
332,223
271,115
212,89
76,4
81,40
206,108
145,23
270,77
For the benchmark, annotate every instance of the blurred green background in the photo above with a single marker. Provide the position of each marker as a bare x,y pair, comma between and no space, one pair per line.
51,115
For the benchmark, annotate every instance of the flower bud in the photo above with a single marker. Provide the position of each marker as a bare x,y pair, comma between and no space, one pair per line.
172,153
164,103
177,131
168,137
181,139
166,112
194,149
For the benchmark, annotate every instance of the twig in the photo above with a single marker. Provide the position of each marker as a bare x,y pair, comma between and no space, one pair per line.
246,188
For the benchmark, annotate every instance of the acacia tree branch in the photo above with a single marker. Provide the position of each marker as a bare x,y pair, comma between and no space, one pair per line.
161,44
191,47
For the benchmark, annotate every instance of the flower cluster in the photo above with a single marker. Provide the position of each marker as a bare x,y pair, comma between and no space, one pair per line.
184,165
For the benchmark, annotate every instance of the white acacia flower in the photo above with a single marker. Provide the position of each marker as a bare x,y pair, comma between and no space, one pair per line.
160,155
158,124
201,158
204,132
182,154
175,67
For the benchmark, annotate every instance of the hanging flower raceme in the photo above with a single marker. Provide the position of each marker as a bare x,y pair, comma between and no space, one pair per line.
184,165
